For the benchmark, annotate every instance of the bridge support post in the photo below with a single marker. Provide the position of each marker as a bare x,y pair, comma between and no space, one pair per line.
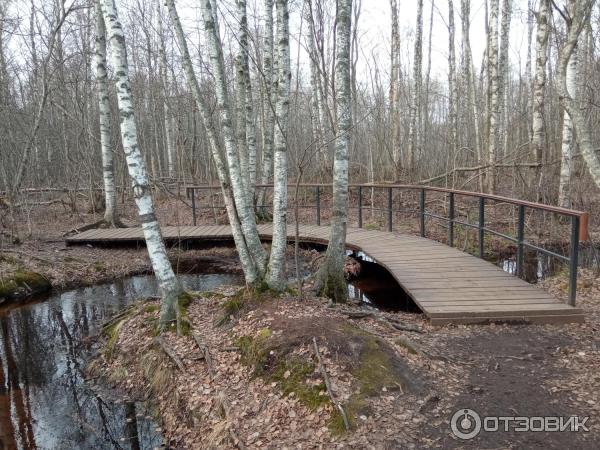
481,228
360,221
318,193
422,211
451,219
520,239
390,213
192,192
573,259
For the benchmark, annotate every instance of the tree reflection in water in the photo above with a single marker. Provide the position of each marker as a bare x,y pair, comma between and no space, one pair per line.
44,399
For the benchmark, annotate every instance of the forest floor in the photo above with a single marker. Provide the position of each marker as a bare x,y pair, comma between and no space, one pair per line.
253,379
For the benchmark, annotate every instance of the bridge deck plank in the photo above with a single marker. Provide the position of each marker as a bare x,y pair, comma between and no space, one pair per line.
450,286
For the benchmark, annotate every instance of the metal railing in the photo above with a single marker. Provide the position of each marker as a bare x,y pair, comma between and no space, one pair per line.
578,219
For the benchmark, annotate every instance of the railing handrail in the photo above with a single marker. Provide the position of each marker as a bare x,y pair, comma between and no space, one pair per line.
498,198
578,219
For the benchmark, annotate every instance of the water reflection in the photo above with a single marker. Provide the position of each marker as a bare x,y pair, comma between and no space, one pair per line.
44,401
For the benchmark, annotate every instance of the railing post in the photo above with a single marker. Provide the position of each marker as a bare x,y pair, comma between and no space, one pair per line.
390,203
193,198
520,238
451,219
573,259
422,211
481,228
318,188
360,207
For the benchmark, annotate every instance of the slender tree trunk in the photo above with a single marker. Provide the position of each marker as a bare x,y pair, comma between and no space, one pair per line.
452,100
416,93
395,91
270,88
169,285
579,12
539,83
568,138
330,279
110,194
276,271
493,93
504,71
251,272
243,202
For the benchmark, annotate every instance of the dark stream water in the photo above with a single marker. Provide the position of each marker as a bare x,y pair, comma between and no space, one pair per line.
45,402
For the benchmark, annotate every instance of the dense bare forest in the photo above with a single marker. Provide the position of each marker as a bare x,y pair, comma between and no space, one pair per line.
496,121
285,213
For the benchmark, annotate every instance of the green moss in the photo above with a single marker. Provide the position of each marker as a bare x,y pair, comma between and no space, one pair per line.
99,266
184,325
371,227
151,308
289,372
298,371
23,284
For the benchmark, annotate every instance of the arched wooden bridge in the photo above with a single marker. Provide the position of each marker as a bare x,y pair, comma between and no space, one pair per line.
449,285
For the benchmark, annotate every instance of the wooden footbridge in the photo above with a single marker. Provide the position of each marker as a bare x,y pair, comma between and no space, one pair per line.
448,285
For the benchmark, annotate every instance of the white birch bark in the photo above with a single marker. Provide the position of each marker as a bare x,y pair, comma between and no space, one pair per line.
268,104
452,101
243,203
276,270
493,88
330,279
504,70
469,74
580,12
164,78
169,285
241,63
416,93
108,175
539,83
568,141
251,272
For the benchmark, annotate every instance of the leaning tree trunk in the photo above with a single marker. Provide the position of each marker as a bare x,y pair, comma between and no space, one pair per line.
493,92
169,285
413,133
111,217
330,279
243,202
251,272
276,270
579,12
539,86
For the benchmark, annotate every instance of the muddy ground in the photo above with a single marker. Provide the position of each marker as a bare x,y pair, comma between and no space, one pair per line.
425,377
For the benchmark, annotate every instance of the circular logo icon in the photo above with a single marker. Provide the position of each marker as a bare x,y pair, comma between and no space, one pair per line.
465,424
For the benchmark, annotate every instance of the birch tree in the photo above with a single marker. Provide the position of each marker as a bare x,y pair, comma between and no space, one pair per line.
504,72
330,278
276,272
268,104
568,137
452,117
539,83
413,133
253,272
395,90
493,93
578,18
168,283
108,175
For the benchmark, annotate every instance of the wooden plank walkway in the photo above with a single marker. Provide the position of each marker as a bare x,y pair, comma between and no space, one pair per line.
449,286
